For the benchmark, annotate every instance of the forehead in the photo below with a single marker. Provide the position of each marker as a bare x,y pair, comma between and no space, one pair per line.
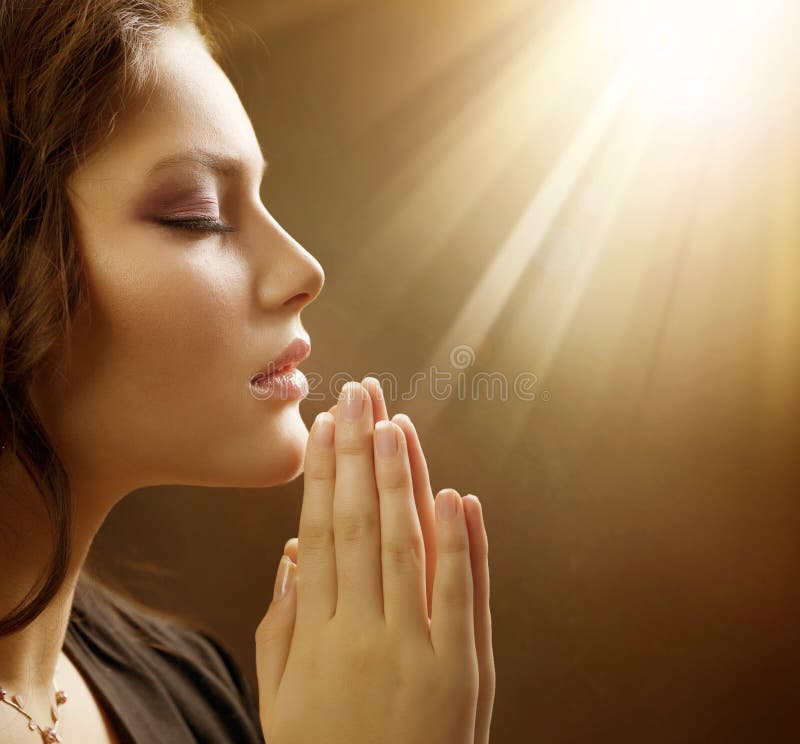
191,107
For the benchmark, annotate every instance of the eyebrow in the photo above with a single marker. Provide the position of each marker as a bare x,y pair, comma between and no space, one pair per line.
224,165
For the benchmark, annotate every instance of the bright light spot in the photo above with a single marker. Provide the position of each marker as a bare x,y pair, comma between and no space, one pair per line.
692,57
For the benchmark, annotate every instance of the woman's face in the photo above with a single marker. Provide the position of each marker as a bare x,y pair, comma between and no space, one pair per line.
155,385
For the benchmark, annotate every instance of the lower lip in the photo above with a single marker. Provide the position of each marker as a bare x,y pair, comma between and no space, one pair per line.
290,384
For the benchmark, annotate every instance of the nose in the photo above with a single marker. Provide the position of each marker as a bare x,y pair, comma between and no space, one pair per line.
289,276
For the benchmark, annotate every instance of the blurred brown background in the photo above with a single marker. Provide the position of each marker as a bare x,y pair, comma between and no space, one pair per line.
469,176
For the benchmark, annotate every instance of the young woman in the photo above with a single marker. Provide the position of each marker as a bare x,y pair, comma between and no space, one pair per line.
150,333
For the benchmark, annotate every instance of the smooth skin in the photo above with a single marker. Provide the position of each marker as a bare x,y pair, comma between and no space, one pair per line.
386,653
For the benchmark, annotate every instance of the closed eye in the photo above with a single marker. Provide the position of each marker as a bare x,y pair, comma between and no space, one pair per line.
198,224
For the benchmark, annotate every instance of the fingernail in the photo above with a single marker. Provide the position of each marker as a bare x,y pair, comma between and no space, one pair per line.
378,387
385,439
408,421
322,430
446,505
352,401
281,580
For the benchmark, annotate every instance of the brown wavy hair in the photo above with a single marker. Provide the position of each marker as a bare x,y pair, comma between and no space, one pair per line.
67,70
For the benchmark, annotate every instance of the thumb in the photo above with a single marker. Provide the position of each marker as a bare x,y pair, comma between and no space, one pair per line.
274,636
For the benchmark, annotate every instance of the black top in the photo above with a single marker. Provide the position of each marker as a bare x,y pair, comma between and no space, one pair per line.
160,682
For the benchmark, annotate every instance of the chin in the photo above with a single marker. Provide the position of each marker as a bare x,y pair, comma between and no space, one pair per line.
272,455
280,458
290,466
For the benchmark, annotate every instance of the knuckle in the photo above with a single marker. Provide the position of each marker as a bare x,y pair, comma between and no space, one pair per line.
319,467
398,496
315,534
456,594
456,546
404,554
318,474
392,481
455,587
353,443
353,526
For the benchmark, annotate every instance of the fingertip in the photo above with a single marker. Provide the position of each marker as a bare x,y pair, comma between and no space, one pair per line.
405,419
290,548
448,504
322,430
401,436
284,578
473,511
373,382
401,421
473,498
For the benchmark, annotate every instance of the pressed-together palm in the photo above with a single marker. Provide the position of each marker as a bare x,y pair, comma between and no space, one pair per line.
385,632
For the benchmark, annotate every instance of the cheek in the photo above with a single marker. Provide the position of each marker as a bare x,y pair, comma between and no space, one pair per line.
159,372
208,303
161,325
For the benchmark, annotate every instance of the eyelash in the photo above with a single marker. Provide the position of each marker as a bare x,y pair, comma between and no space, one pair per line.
199,224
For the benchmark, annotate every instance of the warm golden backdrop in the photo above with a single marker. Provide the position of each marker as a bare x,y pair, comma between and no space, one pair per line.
507,176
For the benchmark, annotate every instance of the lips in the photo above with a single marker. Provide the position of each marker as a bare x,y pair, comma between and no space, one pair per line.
293,354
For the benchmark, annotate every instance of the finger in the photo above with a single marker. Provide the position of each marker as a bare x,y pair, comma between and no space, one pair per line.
479,558
290,549
356,513
316,581
332,410
402,548
452,623
423,497
273,637
373,386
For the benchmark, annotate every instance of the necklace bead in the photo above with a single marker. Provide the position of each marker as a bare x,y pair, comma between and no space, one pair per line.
49,734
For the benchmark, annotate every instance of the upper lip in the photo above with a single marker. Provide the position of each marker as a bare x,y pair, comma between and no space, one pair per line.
297,350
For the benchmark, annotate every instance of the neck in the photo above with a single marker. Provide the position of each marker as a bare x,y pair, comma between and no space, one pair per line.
28,657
